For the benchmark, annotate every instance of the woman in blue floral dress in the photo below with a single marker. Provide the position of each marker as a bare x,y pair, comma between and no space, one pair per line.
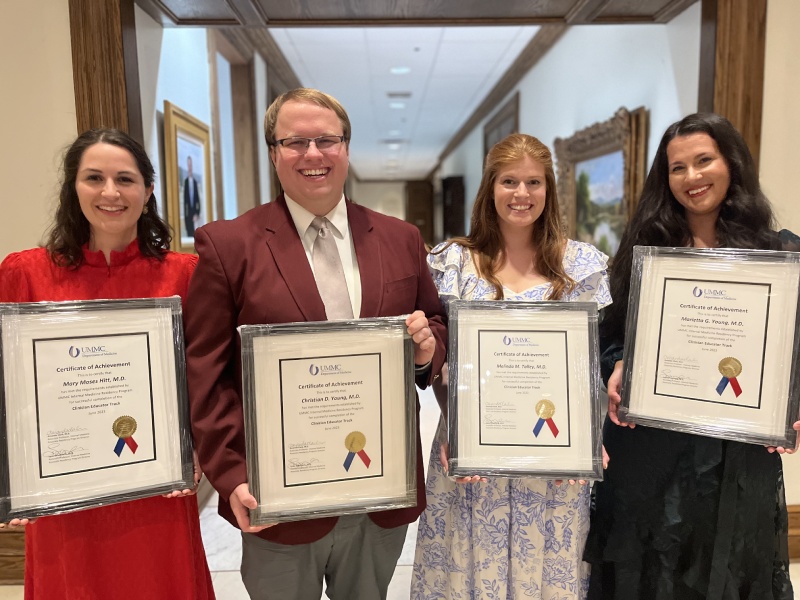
508,538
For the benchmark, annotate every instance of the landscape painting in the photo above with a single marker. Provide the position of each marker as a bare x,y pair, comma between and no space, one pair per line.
599,207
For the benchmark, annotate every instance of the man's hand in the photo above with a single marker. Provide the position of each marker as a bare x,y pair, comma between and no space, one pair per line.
424,342
241,500
614,397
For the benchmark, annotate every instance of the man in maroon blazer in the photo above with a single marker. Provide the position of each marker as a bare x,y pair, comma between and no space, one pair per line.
259,268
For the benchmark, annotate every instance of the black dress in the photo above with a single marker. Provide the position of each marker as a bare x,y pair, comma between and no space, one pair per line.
686,517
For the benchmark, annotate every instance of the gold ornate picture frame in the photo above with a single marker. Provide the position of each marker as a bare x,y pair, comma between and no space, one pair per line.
601,172
187,149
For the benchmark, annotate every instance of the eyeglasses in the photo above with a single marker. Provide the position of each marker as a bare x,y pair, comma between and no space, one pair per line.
299,145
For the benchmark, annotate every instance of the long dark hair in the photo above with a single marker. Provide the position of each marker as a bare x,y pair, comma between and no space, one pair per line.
745,218
485,239
70,229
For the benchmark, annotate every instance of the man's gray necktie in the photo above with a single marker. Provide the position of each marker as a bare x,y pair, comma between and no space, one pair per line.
329,273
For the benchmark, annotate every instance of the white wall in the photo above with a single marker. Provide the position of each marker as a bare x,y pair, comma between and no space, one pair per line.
387,197
173,65
37,115
590,73
780,133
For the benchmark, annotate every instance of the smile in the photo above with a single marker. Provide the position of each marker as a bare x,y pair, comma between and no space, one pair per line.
698,191
112,209
520,207
314,172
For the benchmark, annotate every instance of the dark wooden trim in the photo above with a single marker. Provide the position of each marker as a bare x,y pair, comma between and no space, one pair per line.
245,130
672,10
733,38
248,41
585,11
544,39
102,69
708,43
131,63
794,531
739,72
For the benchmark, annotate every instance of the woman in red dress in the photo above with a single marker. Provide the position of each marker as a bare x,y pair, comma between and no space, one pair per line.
109,242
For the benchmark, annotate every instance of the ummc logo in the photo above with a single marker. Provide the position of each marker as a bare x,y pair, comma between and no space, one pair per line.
317,369
75,351
698,292
509,341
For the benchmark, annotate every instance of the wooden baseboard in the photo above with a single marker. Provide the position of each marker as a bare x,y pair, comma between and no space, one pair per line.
12,556
794,531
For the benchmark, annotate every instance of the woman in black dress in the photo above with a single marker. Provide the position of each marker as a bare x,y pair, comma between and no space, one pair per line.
682,516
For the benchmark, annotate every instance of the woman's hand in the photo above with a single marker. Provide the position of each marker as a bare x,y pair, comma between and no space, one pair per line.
198,475
17,523
444,448
781,449
614,397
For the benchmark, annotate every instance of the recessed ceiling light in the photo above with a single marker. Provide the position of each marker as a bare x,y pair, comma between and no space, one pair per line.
400,70
394,146
397,105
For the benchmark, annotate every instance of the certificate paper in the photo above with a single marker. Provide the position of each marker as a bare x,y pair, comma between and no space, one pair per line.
94,404
331,408
86,389
714,337
523,390
330,418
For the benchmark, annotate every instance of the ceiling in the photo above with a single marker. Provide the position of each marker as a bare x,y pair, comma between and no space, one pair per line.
402,120
414,75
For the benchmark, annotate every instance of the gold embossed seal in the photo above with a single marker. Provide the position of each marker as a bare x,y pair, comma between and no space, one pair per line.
124,426
545,409
730,367
355,441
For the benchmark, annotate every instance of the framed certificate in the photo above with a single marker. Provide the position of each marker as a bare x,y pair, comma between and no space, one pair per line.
94,405
523,390
330,418
712,343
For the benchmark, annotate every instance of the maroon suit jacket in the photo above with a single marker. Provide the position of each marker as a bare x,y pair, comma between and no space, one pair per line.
254,270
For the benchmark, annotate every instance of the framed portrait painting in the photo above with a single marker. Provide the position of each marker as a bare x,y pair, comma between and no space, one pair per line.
187,148
601,171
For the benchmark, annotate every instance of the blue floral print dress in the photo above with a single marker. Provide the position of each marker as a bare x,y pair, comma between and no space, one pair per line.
505,538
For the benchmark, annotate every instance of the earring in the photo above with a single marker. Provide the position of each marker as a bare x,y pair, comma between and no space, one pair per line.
145,209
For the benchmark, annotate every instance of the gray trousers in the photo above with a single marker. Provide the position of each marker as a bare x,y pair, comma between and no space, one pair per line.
356,559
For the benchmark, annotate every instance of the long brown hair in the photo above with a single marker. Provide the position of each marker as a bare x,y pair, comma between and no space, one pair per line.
70,229
485,240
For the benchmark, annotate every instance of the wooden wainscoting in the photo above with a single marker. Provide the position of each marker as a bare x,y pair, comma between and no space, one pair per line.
794,531
12,556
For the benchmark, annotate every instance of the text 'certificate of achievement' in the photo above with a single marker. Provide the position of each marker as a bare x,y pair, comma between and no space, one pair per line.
523,390
330,418
713,338
95,404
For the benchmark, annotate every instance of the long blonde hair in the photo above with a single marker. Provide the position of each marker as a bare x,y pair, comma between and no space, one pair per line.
485,240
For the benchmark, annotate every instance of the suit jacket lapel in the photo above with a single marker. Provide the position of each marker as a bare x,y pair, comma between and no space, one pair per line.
368,255
290,258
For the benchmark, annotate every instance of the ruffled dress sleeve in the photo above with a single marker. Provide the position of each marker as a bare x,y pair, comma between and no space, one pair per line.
589,268
448,267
